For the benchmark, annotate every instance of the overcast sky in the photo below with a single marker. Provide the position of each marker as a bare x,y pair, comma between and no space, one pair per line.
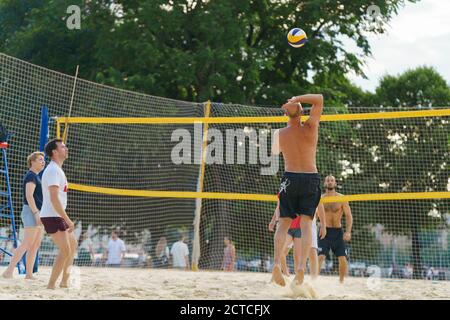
418,35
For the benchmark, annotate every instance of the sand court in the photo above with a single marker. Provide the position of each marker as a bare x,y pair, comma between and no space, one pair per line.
126,283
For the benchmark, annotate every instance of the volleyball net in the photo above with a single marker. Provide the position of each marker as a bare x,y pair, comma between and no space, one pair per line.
154,167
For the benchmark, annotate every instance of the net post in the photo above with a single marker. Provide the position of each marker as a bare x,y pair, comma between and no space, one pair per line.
198,201
58,128
66,124
43,138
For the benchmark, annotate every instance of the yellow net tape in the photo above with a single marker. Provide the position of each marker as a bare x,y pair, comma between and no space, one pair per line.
223,120
254,197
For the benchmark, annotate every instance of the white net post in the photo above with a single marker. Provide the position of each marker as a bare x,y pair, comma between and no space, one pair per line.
198,203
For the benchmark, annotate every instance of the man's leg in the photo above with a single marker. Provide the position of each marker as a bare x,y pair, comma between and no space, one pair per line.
306,240
313,263
61,240
297,252
342,268
279,241
321,261
284,267
69,262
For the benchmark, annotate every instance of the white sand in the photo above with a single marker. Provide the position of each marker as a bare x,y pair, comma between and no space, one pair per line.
100,283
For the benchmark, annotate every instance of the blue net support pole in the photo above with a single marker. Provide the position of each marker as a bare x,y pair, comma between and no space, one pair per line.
9,207
43,138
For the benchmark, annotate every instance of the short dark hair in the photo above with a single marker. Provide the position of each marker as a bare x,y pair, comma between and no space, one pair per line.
50,146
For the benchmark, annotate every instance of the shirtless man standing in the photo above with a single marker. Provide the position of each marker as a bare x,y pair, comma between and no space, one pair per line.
335,238
300,186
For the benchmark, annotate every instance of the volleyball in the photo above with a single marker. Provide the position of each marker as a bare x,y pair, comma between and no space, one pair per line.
297,37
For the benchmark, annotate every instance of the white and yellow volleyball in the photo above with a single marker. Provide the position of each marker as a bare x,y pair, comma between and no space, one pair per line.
297,37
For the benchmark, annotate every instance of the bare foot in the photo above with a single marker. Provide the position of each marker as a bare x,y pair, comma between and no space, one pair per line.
51,286
30,278
277,276
7,275
64,283
299,276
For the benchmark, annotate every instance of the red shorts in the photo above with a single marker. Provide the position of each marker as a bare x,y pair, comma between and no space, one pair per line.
54,224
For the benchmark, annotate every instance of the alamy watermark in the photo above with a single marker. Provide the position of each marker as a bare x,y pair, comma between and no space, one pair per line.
374,20
228,149
74,20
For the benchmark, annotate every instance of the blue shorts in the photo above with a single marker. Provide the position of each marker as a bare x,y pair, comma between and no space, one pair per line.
295,233
28,218
334,241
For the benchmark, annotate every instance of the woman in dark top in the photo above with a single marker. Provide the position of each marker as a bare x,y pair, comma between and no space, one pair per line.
32,203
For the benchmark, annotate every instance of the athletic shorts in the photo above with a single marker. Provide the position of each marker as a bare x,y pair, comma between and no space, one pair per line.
54,224
295,233
299,194
333,241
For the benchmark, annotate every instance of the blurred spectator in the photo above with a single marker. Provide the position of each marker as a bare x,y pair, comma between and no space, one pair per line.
115,251
141,258
162,254
408,271
85,252
180,254
430,273
268,264
229,255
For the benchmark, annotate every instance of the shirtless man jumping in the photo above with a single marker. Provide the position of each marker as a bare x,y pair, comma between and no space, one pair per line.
300,186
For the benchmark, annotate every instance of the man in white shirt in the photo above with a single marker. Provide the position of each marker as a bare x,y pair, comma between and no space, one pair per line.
115,251
180,254
53,212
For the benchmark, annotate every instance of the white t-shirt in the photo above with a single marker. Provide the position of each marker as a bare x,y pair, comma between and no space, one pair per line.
179,251
115,250
53,176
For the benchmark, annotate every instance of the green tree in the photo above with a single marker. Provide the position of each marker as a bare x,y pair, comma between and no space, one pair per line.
227,51
419,87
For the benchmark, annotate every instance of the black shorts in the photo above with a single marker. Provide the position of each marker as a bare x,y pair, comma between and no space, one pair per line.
299,194
54,224
334,240
295,233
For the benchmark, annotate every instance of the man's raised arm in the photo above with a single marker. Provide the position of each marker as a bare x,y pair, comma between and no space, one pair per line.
316,100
